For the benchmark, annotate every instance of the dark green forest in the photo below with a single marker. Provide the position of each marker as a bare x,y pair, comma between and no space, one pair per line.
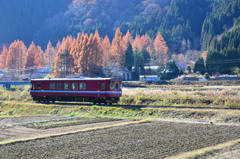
204,25
189,21
182,21
22,19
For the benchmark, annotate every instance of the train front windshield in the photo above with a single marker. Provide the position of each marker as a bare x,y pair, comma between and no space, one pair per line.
115,85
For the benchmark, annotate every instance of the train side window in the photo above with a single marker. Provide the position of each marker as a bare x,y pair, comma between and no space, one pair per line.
39,86
59,86
74,86
82,86
112,84
66,85
103,86
33,86
116,86
52,85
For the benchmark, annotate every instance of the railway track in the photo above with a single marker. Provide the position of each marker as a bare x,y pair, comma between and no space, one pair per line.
125,106
147,106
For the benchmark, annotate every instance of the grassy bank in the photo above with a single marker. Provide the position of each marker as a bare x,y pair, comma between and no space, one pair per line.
18,93
225,98
23,109
66,122
145,96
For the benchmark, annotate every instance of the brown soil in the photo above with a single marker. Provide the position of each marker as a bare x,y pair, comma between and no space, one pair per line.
146,140
10,131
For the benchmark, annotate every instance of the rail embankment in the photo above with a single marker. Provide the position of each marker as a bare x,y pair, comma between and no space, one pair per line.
27,109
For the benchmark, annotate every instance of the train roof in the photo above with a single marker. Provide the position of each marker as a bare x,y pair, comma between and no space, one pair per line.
75,79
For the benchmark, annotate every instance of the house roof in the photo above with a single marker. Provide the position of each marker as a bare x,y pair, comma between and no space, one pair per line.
182,65
45,70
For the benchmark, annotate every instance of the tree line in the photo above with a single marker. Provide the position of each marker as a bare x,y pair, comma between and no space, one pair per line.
87,54
223,56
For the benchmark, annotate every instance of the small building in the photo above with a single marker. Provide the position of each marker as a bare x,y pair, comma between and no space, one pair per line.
153,68
122,74
150,78
43,72
227,78
190,79
182,66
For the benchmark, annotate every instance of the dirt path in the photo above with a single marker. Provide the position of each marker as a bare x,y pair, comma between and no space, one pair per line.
10,131
228,155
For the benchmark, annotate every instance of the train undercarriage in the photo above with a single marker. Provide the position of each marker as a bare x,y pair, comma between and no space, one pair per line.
48,99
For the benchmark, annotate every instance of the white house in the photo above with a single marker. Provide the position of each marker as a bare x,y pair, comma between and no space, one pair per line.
150,78
123,74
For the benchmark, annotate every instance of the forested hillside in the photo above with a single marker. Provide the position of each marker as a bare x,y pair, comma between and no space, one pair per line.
22,19
185,27
184,24
104,15
221,18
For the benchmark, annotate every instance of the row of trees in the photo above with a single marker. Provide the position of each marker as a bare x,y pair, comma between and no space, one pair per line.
87,54
25,60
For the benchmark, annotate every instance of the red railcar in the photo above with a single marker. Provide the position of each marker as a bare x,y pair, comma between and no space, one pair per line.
96,90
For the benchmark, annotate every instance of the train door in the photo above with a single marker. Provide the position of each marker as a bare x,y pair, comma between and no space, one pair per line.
99,88
117,89
75,88
103,88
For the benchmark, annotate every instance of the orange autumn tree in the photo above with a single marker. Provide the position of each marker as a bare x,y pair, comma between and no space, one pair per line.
57,47
80,59
149,45
95,60
97,36
38,58
87,54
98,50
106,49
204,55
49,55
3,57
16,56
31,53
161,49
117,50
106,46
137,45
126,39
11,60
22,52
143,41
63,61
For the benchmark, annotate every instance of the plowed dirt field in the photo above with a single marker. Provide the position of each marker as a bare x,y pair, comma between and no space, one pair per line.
154,139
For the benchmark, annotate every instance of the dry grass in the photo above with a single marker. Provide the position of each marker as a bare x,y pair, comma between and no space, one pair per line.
17,93
226,93
226,98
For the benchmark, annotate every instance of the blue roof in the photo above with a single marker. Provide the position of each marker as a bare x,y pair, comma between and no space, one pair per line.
45,70
182,65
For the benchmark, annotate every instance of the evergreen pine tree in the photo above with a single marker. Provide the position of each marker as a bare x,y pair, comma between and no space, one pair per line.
129,58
